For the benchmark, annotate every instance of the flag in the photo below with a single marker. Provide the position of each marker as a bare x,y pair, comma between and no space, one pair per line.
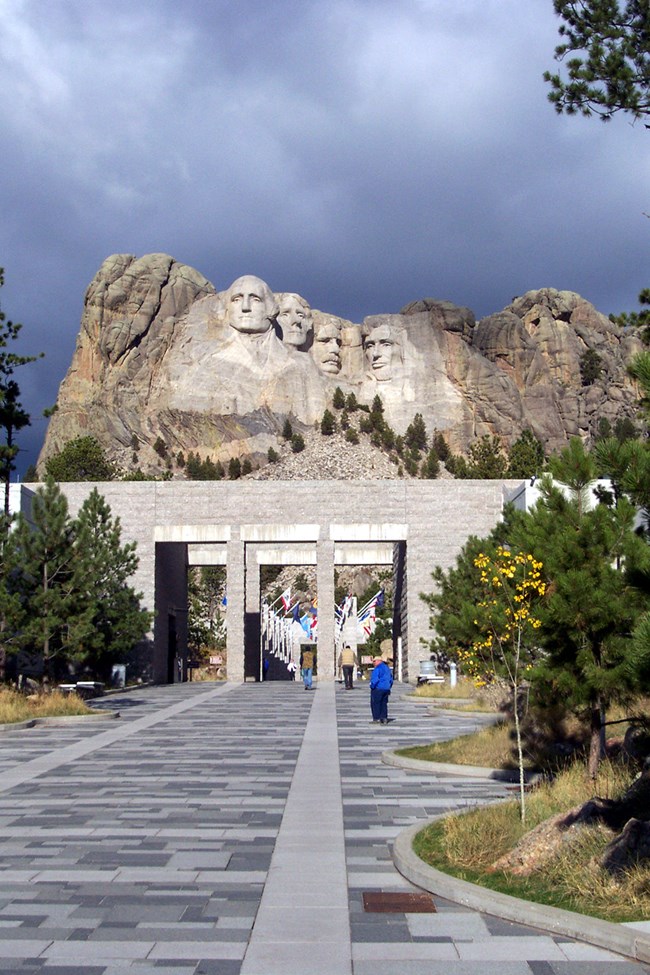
296,613
380,599
304,622
224,601
286,598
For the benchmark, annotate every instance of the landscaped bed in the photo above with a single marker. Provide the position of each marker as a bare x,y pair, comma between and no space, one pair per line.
569,876
15,707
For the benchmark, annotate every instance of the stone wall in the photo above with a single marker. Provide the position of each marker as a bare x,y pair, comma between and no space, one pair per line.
331,520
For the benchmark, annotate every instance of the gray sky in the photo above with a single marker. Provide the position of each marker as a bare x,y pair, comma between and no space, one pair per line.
365,153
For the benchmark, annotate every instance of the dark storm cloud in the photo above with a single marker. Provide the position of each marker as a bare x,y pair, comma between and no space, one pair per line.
362,152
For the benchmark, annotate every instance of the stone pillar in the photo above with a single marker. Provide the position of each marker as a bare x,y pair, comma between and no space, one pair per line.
235,591
252,584
325,584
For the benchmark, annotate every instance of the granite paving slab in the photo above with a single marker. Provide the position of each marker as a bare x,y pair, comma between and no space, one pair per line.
233,830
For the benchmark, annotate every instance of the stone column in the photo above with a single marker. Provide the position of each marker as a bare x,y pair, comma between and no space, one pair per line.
235,591
325,584
252,584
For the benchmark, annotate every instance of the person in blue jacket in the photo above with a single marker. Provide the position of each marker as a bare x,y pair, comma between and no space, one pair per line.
381,681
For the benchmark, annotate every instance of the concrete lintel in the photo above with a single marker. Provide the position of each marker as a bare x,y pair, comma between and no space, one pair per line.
191,533
280,533
286,555
363,553
210,555
368,533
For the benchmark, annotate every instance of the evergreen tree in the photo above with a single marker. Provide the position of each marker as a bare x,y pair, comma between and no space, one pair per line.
13,417
591,367
51,583
593,561
486,459
440,446
637,319
327,424
82,459
246,467
351,403
272,456
287,430
234,468
526,456
416,434
117,621
297,443
431,465
338,400
612,73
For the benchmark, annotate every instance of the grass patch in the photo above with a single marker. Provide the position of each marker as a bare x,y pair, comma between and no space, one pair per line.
18,707
467,845
488,748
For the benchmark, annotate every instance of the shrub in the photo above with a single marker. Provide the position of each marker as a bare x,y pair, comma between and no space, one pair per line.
272,456
160,447
297,443
591,367
352,436
327,424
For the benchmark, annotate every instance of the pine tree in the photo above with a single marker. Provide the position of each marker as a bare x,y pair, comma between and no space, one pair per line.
117,620
612,72
327,424
486,459
526,456
416,434
592,560
13,417
431,465
81,459
52,582
338,400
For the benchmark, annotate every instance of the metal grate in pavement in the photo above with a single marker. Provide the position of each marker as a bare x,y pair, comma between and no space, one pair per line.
378,902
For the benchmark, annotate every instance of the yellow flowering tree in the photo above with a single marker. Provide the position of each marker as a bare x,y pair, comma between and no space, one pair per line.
506,621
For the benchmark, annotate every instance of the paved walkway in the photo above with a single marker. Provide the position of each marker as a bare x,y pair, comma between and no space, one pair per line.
219,830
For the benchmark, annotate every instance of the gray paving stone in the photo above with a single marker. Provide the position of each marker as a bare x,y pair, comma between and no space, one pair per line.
147,849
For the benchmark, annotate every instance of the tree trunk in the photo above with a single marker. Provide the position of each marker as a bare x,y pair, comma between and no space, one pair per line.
595,739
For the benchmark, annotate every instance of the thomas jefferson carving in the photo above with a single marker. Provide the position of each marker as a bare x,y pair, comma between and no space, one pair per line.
295,321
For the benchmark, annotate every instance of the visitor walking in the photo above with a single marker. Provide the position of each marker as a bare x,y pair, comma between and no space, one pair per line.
347,662
381,681
307,668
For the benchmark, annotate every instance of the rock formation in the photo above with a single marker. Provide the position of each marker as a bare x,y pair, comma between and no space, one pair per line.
162,356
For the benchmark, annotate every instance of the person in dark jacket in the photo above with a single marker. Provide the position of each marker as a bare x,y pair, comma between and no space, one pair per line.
381,681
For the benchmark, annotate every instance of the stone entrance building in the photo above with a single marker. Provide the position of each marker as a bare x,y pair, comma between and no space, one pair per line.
412,525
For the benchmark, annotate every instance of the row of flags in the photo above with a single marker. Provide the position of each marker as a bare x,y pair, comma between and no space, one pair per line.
279,619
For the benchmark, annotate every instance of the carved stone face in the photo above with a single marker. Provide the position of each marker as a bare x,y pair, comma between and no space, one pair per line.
379,346
294,318
250,305
326,349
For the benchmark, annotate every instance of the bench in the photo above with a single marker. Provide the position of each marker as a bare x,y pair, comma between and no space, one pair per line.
84,688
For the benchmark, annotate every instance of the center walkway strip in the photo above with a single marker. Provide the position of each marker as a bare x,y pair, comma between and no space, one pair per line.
308,865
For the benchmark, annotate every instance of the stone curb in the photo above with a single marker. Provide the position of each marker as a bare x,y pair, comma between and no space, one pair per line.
469,771
619,938
62,719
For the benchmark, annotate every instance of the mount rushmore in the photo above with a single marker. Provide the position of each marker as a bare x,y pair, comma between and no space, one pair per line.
162,356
